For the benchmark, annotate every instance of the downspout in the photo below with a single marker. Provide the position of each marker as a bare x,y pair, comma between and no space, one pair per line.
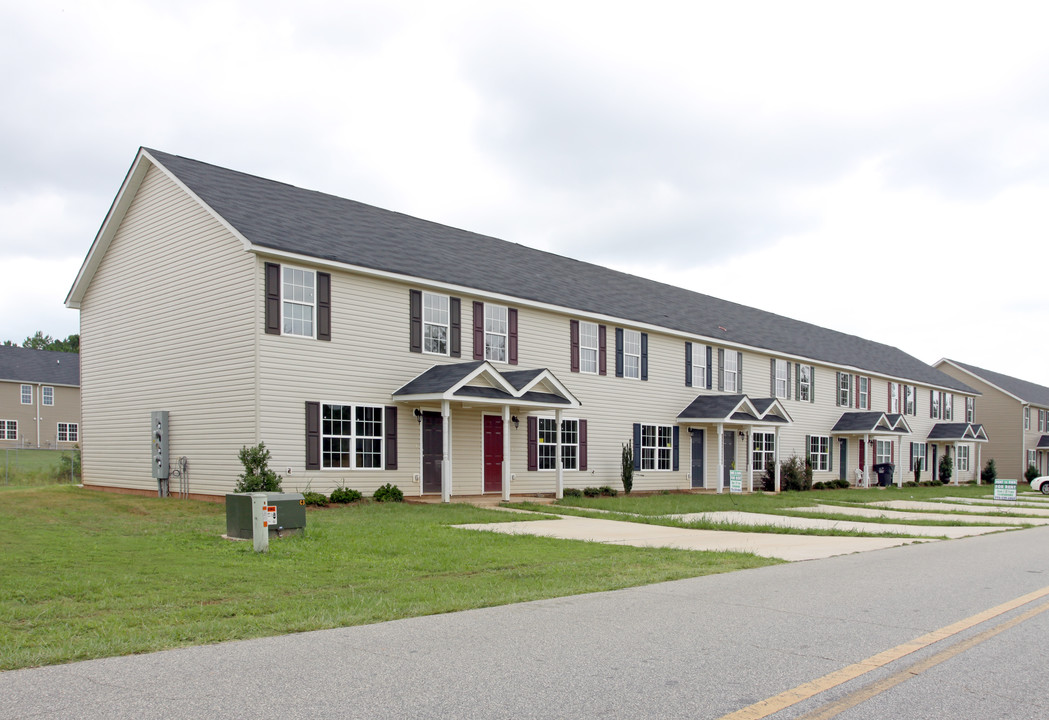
38,391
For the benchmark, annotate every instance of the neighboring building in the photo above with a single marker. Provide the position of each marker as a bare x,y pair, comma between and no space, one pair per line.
367,347
1016,415
39,398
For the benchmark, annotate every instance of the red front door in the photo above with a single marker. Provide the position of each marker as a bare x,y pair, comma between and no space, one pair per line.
493,453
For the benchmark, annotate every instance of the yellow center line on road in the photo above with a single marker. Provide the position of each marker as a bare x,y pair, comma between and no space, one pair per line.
785,699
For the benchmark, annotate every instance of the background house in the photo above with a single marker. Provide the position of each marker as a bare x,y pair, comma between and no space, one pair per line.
39,398
1016,415
364,346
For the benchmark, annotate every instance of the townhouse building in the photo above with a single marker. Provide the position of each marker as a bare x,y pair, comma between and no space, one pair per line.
1015,413
39,398
365,347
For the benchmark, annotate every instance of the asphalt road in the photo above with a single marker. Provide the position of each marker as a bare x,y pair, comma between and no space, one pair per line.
699,648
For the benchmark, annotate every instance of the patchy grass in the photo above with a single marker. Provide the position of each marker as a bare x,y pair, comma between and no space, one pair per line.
33,466
87,574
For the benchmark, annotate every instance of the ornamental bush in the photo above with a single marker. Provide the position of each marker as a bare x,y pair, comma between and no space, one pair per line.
989,473
946,469
388,493
345,495
257,476
315,499
1031,473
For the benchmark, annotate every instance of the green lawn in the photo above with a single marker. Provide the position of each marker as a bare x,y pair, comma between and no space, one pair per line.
87,574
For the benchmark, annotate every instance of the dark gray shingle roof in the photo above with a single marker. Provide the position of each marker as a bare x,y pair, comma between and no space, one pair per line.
1026,391
44,366
283,217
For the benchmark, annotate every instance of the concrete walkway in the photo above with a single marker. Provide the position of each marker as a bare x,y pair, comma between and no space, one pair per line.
958,507
788,521
616,532
862,511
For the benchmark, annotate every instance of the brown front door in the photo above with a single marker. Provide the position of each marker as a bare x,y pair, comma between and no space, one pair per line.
493,453
433,451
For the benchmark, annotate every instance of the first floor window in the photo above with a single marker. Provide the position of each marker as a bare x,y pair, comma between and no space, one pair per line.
47,395
8,429
764,449
435,323
351,436
588,347
27,394
496,330
919,456
547,443
819,452
883,451
963,457
970,409
657,447
298,299
805,382
1030,458
632,354
67,432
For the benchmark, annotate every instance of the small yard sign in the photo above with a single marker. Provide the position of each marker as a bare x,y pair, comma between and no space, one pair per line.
735,481
1005,490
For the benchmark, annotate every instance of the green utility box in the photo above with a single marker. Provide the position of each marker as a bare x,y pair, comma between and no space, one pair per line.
290,510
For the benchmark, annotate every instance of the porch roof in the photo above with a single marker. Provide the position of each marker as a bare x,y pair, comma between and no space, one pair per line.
958,431
1043,443
735,409
480,382
863,423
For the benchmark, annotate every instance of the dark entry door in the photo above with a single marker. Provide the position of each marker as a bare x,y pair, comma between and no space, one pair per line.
730,455
843,458
493,453
433,451
697,459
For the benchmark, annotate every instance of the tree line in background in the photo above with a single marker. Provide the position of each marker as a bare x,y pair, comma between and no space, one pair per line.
45,342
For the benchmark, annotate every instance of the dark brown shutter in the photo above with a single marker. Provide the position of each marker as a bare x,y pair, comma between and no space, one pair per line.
772,391
582,444
644,356
323,306
511,319
721,369
478,330
739,373
688,364
710,368
390,428
455,321
573,337
533,442
619,352
677,447
272,299
415,312
602,350
637,446
313,436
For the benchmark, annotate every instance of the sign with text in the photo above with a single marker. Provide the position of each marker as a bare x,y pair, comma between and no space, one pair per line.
735,481
1005,490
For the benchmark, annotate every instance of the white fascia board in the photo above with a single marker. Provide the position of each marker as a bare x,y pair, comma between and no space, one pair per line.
781,411
487,369
552,379
984,380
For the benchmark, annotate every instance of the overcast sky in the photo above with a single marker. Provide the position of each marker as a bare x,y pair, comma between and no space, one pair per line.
877,168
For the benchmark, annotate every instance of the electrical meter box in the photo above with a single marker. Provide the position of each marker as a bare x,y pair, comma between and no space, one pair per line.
287,514
159,423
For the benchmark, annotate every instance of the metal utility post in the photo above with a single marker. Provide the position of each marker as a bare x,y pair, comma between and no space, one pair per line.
260,531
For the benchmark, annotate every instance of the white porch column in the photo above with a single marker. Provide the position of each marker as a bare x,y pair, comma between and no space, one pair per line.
506,453
721,457
560,490
979,462
955,474
775,432
866,460
750,457
446,451
898,474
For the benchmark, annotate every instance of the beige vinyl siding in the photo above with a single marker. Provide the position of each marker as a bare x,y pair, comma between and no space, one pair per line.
168,324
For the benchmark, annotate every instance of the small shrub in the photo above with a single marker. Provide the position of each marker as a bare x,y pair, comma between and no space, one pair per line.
946,469
591,491
628,468
257,476
819,486
573,492
989,473
608,491
388,493
910,483
792,474
345,495
917,473
1031,473
315,499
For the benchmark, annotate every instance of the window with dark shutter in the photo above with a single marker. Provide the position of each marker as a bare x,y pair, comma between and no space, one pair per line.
533,442
688,364
390,422
455,311
573,338
324,306
511,340
644,356
415,315
313,436
619,352
637,446
677,447
710,368
602,350
272,299
478,330
582,444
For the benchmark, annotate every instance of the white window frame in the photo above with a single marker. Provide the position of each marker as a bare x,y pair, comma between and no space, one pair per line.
948,406
657,448
8,429
882,451
546,437
304,302
920,456
935,405
865,393
632,354
970,409
1031,459
47,395
1041,420
894,398
1027,416
845,390
819,452
355,441
496,328
762,448
805,383
962,461
436,318
699,366
27,394
589,347
910,400
731,371
781,378
68,432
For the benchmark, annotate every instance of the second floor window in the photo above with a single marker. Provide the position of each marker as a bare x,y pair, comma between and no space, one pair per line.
435,323
805,382
298,299
844,389
948,406
588,347
934,404
27,394
47,395
970,409
894,397
731,371
495,332
909,393
781,384
865,393
631,354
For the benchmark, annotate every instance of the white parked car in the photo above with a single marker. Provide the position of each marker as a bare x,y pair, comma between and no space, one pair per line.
1041,484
